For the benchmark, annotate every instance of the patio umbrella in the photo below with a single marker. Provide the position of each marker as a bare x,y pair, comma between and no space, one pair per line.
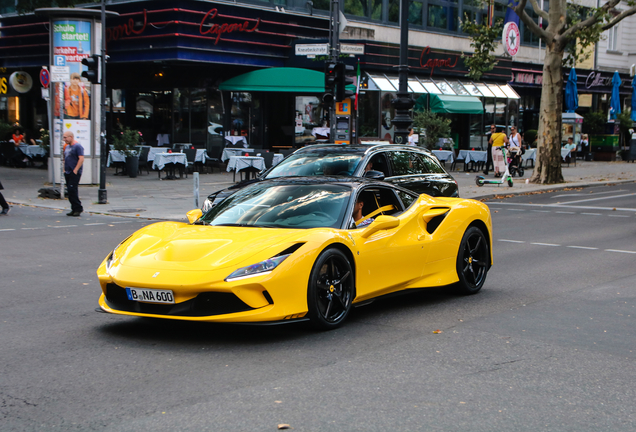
615,102
571,93
634,99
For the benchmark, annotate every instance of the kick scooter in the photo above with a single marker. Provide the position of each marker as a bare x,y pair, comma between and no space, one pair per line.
481,180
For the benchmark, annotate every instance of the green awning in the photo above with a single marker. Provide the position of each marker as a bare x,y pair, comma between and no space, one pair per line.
456,104
284,79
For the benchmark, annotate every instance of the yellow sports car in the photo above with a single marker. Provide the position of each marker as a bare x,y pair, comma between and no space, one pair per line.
295,249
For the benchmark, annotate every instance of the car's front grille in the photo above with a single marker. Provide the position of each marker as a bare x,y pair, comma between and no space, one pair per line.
205,304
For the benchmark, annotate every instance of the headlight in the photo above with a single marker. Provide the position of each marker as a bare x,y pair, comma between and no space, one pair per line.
258,269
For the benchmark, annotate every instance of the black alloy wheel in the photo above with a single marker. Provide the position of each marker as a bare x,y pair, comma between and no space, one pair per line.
331,290
472,261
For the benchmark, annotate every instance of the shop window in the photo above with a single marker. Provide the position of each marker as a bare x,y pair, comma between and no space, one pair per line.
357,8
376,9
308,115
513,113
215,119
368,115
241,105
443,16
394,11
198,117
181,116
500,113
415,13
489,111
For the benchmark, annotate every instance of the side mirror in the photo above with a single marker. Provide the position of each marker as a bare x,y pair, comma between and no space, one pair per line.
376,175
380,223
193,215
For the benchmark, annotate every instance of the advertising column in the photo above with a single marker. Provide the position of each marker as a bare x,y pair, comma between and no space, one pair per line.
73,97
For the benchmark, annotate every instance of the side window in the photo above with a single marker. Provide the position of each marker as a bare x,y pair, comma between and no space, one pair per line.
407,199
376,201
379,163
405,163
432,166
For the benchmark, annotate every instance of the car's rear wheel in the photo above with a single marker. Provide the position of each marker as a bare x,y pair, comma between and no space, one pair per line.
331,290
472,261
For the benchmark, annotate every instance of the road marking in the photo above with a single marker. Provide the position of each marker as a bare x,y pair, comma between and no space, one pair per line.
601,198
564,212
545,244
120,222
582,247
542,211
516,209
511,241
33,228
588,194
8,229
63,226
570,206
96,223
592,214
617,215
620,251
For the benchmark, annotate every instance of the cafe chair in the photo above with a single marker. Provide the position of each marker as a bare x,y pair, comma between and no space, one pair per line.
191,155
213,153
457,159
268,158
143,159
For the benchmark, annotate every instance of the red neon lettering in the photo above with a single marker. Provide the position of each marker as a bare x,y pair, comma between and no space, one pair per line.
218,30
127,29
433,63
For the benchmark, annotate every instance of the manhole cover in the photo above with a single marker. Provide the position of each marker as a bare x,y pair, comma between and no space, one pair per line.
127,210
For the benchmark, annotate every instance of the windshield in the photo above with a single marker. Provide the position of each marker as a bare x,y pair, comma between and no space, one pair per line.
316,163
282,206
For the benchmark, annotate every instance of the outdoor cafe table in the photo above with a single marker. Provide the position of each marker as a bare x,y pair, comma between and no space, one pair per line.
115,156
153,151
236,139
529,155
163,159
238,163
228,152
444,156
475,156
32,150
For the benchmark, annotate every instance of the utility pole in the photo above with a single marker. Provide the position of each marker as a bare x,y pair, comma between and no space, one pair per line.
403,103
334,56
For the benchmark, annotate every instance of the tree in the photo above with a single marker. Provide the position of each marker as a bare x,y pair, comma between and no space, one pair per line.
435,126
483,42
559,32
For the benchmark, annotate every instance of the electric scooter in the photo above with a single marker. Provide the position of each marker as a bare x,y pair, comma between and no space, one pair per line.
481,180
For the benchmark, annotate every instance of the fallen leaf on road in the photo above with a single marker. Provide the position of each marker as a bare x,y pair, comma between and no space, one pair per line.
283,426
437,331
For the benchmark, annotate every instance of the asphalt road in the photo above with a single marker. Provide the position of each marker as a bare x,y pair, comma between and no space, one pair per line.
547,345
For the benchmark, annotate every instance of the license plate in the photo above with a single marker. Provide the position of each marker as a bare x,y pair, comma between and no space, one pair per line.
150,295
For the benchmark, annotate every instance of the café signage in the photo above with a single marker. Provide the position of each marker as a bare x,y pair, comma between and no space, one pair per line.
433,63
207,26
595,79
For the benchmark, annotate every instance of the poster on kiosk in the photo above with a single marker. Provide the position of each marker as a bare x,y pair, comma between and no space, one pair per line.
72,98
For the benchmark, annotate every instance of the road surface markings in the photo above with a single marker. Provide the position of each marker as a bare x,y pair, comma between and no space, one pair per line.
592,214
571,246
564,212
542,211
63,226
618,216
620,251
582,247
545,244
569,206
588,194
96,223
8,229
512,241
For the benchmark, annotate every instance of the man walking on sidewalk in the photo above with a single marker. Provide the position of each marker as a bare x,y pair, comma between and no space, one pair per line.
73,161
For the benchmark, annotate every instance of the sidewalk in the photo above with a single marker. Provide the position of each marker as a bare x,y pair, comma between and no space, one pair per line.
148,197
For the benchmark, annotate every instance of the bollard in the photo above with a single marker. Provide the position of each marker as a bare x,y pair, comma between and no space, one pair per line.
195,176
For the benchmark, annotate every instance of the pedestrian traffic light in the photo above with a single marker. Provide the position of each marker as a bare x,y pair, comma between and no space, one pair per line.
92,74
342,81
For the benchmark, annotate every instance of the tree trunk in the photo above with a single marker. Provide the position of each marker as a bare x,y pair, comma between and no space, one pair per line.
548,163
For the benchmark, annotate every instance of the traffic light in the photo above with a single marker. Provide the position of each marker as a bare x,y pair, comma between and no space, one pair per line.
342,81
330,82
92,74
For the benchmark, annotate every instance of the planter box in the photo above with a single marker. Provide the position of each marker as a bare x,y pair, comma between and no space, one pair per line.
604,143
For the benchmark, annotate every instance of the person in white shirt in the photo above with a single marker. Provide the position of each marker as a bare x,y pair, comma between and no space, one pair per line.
412,137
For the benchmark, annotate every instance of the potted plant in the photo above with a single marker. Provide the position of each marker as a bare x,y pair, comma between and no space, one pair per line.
126,140
435,126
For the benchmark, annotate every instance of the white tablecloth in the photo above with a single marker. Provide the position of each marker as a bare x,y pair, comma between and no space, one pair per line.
530,154
444,155
115,156
324,131
277,159
227,152
473,156
237,163
153,151
33,150
161,159
236,139
565,153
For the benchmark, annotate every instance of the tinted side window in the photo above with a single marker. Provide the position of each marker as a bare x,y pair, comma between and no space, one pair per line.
405,163
407,199
432,166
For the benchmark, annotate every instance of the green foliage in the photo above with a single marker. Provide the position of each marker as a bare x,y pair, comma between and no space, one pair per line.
586,37
25,6
5,130
530,136
594,123
625,119
126,140
435,126
483,39
45,138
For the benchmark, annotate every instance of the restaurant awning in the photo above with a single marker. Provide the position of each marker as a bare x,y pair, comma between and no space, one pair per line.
291,80
456,104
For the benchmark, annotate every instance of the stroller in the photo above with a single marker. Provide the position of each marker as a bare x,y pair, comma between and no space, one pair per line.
515,162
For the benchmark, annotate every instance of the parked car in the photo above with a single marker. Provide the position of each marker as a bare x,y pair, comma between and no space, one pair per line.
410,167
296,249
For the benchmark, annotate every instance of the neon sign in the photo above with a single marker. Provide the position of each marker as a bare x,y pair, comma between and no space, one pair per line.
218,30
435,62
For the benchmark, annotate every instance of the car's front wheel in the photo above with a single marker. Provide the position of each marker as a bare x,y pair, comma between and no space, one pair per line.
331,290
472,261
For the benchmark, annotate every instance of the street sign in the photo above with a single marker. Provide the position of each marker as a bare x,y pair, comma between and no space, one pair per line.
352,49
60,73
45,78
312,49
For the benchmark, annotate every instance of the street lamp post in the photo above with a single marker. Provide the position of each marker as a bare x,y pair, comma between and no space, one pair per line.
102,195
403,103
